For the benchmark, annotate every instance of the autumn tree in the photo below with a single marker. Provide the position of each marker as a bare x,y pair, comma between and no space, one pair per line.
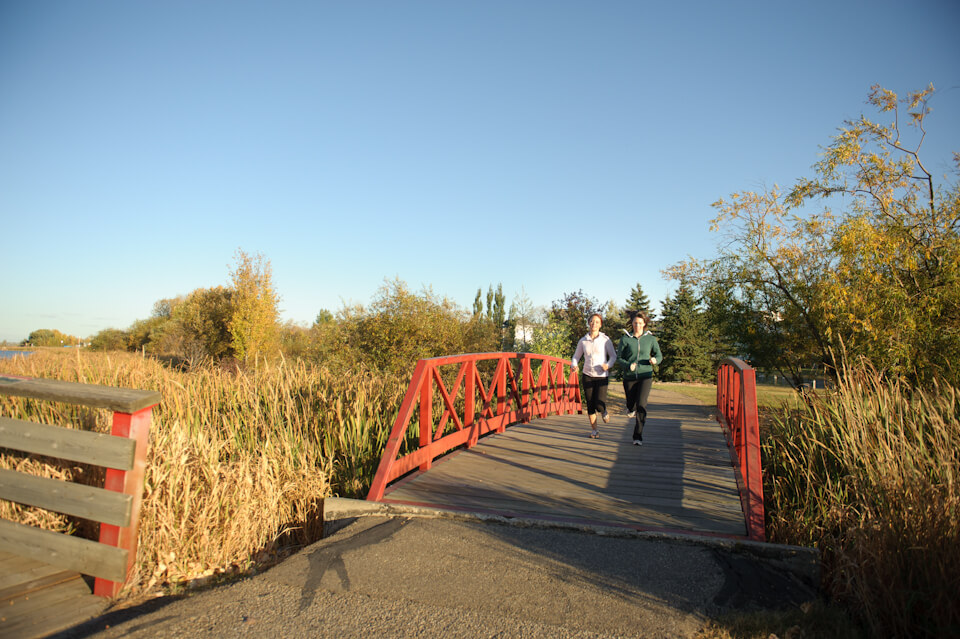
200,325
50,337
893,292
402,326
254,323
109,339
878,277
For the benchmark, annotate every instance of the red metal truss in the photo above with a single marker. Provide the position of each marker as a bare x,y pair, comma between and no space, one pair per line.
737,413
501,403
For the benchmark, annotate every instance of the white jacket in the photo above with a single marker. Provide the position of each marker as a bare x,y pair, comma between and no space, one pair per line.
595,353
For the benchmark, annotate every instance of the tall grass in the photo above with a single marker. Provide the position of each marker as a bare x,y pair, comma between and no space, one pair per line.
869,474
238,462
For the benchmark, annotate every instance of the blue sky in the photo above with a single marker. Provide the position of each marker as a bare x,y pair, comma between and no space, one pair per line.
549,146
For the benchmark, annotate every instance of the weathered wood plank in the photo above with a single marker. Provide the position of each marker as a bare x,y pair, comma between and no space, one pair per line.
609,469
123,400
575,505
84,556
673,485
681,478
721,497
98,449
51,610
16,570
78,500
25,587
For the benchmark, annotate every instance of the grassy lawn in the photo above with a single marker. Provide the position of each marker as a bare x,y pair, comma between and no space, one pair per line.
767,396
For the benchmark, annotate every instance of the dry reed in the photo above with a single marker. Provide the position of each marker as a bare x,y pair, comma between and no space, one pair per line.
239,461
869,474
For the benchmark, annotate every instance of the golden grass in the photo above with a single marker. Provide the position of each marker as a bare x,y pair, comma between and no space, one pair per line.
869,474
238,463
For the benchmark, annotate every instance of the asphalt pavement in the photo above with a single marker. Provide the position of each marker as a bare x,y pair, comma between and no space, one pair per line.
407,572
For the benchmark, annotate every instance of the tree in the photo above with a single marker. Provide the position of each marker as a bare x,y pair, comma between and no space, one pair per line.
201,325
685,339
568,317
401,327
638,301
109,339
615,320
323,317
522,318
164,308
254,324
893,292
878,278
145,335
50,337
499,311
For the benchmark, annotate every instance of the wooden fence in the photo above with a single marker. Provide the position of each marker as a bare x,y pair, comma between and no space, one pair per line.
116,506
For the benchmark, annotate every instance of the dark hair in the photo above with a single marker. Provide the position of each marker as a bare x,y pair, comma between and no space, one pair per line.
641,315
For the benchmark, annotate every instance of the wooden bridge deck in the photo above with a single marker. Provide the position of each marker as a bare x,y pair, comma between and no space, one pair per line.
681,479
37,599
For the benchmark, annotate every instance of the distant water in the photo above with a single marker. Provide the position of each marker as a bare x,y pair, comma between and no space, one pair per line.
8,354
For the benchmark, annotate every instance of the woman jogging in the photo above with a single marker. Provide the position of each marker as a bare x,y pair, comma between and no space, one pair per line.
639,352
598,356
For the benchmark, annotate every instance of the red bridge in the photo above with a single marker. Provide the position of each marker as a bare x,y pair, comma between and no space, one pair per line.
503,434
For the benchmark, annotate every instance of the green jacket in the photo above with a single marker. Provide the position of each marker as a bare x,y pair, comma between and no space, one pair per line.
638,350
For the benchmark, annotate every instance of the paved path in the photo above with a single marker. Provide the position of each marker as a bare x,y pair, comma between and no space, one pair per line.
412,576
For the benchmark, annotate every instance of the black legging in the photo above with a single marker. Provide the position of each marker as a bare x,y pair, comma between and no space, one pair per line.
638,392
595,391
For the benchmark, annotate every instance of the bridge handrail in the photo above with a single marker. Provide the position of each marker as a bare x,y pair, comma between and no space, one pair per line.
116,506
502,402
737,414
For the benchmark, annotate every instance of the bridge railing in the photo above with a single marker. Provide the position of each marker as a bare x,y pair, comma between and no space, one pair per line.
737,413
116,506
522,386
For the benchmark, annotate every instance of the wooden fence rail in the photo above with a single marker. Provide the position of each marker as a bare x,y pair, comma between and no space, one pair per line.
116,506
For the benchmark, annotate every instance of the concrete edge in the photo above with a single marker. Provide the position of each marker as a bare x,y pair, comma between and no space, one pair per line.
802,562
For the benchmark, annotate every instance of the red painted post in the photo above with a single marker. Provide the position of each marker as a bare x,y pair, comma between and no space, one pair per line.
426,416
135,426
751,456
469,404
501,388
525,391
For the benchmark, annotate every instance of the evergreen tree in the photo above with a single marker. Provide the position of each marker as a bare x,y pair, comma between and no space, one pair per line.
638,301
686,339
499,303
